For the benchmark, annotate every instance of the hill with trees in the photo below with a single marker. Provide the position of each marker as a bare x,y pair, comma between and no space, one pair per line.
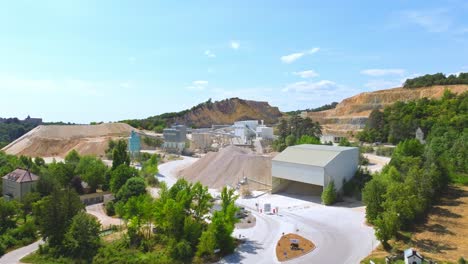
211,113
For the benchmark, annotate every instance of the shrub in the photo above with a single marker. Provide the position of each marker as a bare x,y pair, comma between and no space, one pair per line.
110,209
152,181
329,194
2,249
461,260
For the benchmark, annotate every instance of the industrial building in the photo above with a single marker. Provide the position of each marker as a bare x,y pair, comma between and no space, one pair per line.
310,168
326,138
245,130
134,144
174,138
18,183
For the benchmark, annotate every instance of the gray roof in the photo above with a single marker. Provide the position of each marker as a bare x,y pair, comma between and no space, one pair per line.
314,155
411,252
20,175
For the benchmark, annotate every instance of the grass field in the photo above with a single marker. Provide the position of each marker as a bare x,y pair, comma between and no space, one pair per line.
443,237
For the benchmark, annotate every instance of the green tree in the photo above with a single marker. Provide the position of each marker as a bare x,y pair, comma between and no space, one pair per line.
387,226
306,139
27,203
329,194
373,197
54,214
120,155
9,211
290,140
72,158
82,239
344,142
120,175
92,170
134,186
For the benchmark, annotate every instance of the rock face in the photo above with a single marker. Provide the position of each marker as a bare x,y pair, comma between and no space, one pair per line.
228,111
57,141
351,114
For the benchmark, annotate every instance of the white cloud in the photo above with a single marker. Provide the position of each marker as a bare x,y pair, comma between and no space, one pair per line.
306,74
290,58
313,50
198,85
432,20
210,54
235,44
307,87
382,72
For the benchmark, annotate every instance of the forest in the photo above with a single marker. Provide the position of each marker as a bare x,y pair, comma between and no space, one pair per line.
419,172
436,79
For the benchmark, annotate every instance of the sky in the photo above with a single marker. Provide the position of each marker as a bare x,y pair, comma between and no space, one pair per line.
84,61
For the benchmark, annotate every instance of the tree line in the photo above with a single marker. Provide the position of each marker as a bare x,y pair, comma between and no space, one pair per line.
296,130
436,79
403,192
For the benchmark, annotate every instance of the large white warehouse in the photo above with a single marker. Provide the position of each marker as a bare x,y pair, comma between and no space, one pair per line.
312,167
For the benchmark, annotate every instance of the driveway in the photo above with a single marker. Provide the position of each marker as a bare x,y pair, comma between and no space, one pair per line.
339,232
98,211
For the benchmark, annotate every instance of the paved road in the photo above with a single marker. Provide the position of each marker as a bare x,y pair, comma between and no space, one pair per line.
338,232
14,256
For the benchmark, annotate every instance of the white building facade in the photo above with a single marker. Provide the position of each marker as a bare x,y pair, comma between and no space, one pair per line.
314,165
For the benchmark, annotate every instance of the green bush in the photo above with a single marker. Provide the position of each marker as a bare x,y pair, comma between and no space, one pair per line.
329,194
2,249
461,260
384,151
110,209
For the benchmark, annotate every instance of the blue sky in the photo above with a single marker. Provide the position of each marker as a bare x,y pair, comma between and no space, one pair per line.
83,61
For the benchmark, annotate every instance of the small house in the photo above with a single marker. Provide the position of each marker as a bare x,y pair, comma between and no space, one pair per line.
18,183
412,257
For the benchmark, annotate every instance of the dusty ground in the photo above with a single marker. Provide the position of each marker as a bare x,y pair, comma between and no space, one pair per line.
57,141
228,167
444,236
284,251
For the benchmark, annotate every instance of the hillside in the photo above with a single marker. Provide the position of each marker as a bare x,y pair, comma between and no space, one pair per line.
58,140
208,113
351,114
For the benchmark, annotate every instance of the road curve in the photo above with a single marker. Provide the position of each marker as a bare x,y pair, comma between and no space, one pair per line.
14,256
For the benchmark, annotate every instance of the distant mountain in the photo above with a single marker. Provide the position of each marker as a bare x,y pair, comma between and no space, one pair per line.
212,113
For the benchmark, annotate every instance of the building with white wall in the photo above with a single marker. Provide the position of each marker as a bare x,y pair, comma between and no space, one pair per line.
313,165
245,130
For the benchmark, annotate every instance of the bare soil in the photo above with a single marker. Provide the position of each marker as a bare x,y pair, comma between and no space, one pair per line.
228,167
57,141
284,251
444,236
